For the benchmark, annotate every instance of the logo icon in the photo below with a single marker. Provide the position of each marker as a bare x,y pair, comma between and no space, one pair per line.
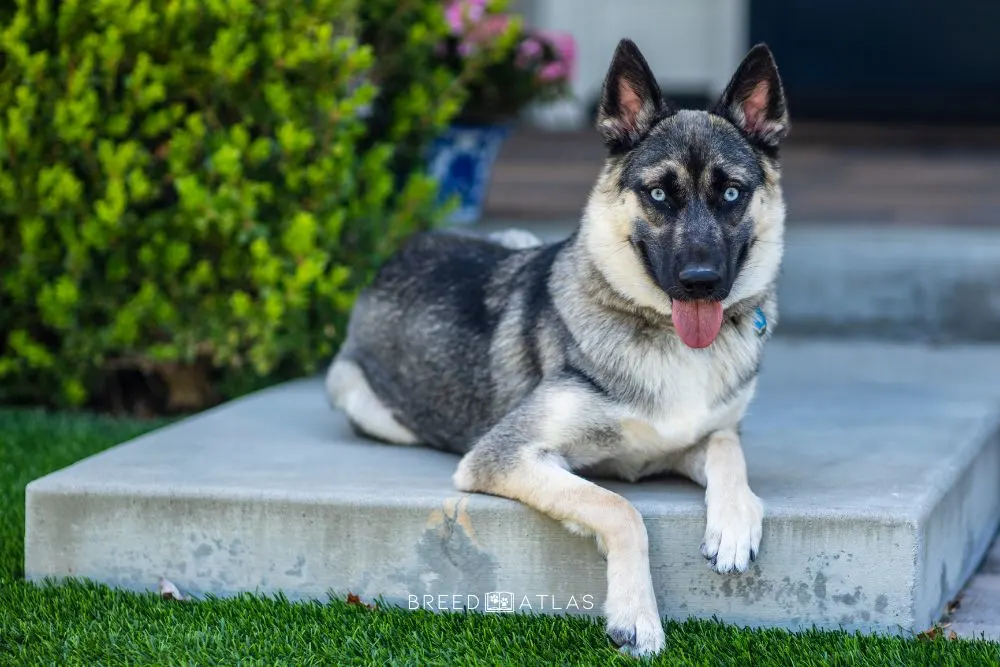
499,601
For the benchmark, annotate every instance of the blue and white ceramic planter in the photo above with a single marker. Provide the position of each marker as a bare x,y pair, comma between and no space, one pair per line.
462,160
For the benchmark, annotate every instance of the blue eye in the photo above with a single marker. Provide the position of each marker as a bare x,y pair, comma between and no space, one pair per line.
658,194
731,194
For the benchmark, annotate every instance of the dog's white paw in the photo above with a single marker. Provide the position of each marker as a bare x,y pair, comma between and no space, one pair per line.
635,626
733,530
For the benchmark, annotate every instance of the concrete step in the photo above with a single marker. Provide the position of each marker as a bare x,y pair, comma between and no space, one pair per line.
989,631
918,284
879,465
978,610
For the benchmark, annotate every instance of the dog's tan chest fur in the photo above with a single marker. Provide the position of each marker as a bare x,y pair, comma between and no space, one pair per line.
651,442
693,400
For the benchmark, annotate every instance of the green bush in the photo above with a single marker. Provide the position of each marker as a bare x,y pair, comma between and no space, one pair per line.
190,189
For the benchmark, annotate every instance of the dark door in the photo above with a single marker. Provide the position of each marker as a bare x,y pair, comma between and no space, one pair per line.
885,60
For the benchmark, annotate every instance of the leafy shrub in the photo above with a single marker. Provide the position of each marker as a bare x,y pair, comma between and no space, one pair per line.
190,188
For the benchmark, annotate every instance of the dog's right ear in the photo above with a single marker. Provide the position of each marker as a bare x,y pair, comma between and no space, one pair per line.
631,100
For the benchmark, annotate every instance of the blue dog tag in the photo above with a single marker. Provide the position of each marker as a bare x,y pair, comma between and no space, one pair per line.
759,322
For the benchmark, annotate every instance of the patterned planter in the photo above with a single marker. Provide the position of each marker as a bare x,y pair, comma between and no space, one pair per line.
462,161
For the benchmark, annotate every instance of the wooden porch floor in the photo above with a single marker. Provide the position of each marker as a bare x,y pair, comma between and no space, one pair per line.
920,176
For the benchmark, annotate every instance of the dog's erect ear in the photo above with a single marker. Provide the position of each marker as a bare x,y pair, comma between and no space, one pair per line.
754,100
631,100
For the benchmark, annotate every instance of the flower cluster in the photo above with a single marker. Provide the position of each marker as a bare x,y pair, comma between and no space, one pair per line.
529,65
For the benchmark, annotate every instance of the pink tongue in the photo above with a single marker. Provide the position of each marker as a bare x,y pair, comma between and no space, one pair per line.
697,322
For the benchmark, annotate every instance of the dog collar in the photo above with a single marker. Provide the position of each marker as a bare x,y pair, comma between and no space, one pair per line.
759,321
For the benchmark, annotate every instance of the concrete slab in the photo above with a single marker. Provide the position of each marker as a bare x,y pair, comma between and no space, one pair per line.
977,612
987,631
876,281
879,465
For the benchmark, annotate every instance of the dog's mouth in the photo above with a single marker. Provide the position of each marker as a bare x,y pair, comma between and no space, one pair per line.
697,322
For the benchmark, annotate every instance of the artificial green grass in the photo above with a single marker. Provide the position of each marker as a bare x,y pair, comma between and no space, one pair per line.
84,623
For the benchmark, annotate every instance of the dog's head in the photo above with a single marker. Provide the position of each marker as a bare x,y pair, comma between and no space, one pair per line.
687,216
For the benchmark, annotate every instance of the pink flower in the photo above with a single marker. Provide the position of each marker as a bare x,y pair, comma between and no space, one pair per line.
491,28
462,13
564,45
554,71
528,51
483,32
530,48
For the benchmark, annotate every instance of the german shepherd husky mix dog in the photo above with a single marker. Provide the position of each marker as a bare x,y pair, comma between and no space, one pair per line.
628,349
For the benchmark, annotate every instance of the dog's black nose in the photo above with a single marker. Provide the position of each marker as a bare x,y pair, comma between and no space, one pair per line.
699,279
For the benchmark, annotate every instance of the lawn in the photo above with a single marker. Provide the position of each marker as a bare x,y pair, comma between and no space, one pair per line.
90,624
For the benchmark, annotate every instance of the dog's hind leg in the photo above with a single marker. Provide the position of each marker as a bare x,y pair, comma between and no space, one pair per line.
734,522
525,458
347,388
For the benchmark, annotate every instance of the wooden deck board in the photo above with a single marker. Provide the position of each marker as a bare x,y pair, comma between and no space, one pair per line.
832,177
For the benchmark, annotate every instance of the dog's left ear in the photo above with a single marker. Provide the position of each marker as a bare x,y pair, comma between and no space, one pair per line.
754,100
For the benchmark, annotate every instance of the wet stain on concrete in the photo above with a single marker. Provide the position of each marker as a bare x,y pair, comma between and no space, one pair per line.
236,548
802,593
448,557
296,570
819,585
850,599
816,592
453,513
180,568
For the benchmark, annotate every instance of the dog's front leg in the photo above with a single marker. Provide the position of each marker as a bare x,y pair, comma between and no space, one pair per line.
734,513
526,458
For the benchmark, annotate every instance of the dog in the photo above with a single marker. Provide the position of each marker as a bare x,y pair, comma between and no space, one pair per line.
628,349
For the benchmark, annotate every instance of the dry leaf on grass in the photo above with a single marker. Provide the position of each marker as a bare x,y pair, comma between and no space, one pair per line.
169,592
933,632
354,599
